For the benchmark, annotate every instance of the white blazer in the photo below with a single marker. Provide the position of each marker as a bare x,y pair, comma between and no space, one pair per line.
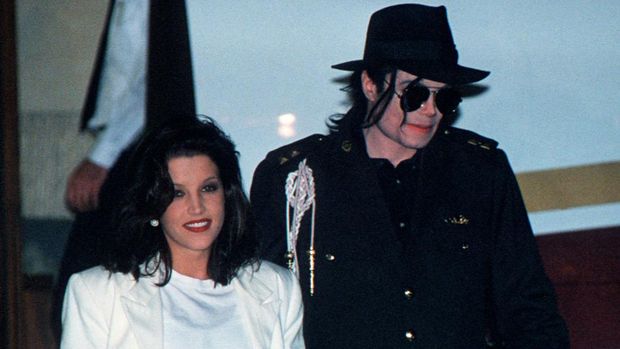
103,310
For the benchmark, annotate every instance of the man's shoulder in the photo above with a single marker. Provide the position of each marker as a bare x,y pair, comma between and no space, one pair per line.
469,140
464,146
297,150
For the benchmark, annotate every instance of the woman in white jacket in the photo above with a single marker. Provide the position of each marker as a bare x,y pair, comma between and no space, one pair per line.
182,271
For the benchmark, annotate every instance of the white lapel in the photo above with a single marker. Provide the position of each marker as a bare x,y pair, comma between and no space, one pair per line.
142,306
260,307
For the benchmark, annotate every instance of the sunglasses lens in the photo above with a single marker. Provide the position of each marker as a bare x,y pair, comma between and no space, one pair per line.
413,98
447,100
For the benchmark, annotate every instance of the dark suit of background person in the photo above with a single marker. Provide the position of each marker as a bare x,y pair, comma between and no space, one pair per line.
167,77
435,253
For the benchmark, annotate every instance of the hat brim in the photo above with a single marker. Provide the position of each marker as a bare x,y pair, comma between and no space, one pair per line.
453,75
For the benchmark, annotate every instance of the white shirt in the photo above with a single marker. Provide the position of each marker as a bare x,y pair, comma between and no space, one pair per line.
198,315
121,103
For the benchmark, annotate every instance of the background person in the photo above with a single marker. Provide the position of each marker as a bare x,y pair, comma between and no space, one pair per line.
403,230
184,271
142,76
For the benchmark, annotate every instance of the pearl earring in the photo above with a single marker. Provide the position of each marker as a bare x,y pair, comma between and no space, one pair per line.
154,223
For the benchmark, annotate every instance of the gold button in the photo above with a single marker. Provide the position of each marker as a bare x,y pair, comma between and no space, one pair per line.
330,257
409,293
410,335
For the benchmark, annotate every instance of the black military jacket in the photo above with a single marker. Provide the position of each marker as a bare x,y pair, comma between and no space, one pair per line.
469,275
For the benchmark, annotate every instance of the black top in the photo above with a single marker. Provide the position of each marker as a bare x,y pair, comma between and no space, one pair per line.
398,185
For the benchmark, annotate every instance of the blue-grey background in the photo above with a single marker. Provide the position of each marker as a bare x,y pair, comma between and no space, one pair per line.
552,100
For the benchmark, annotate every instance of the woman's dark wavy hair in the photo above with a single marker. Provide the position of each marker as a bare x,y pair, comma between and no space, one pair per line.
151,192
358,116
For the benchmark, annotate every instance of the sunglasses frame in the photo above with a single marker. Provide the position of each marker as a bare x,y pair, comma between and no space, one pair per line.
453,100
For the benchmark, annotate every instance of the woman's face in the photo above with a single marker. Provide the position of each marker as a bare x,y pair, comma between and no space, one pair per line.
194,218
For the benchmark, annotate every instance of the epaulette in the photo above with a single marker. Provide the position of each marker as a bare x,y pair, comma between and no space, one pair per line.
468,137
288,152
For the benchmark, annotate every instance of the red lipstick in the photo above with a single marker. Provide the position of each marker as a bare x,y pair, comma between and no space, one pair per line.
198,226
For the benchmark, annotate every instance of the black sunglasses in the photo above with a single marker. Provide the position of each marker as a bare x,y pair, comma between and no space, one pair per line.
414,95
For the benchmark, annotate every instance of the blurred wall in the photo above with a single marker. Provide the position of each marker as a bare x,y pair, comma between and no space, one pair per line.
57,42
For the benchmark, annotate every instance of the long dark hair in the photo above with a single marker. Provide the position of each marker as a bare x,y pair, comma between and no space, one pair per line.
151,192
359,116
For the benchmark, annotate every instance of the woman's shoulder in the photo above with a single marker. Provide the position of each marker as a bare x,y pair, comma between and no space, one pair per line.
94,274
99,279
268,273
269,267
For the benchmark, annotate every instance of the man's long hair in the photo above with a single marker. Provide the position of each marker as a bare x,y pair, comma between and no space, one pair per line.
358,116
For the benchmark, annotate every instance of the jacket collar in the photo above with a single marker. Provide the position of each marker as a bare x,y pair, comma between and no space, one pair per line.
143,308
260,305
142,305
351,160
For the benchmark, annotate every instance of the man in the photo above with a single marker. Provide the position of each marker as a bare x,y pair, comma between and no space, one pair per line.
142,74
404,231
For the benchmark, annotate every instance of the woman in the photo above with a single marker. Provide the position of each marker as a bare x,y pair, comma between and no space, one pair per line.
183,272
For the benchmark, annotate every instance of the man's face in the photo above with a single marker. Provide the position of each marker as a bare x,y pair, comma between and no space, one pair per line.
391,138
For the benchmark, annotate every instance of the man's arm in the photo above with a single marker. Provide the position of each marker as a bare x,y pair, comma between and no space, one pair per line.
524,300
268,198
120,106
268,212
82,192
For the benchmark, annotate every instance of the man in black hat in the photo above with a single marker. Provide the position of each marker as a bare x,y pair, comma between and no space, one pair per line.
404,231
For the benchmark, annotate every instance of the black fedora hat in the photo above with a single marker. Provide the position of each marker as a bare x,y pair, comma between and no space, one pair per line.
417,39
